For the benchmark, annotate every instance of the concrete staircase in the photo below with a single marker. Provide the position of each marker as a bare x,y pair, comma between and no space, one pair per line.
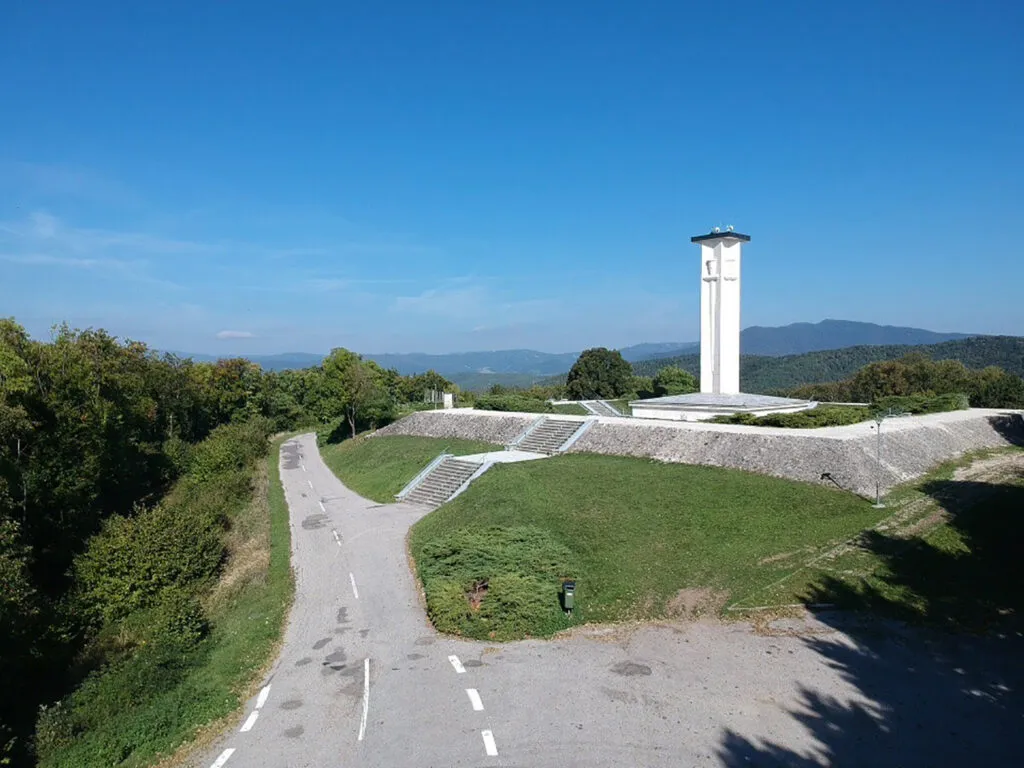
602,408
550,435
442,482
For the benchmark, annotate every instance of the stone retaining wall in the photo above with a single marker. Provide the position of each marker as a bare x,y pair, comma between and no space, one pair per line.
488,426
911,446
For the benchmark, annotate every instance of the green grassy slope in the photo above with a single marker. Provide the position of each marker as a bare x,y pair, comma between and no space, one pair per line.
379,467
639,532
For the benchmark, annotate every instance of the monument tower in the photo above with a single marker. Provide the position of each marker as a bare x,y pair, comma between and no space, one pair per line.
720,393
720,256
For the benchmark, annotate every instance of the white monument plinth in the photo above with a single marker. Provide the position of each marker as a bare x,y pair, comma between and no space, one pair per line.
720,395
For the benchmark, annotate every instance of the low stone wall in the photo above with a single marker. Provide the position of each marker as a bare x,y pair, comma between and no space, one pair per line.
488,426
911,446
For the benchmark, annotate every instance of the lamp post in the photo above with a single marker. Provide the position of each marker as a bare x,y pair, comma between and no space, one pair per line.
881,416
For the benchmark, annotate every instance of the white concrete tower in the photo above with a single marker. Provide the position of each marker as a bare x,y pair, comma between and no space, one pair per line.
720,311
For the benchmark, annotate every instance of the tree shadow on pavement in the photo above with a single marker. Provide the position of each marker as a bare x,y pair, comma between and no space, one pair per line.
946,694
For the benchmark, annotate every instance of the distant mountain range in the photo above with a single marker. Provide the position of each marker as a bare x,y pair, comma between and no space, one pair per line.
766,374
513,367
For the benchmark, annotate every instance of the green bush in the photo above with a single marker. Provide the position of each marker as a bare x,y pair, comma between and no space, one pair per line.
821,416
925,403
129,564
494,583
230,447
178,543
513,402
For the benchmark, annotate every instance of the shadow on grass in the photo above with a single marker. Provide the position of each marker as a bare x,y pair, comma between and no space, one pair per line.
922,697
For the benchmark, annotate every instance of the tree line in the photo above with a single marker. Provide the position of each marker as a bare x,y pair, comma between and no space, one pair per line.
765,374
94,429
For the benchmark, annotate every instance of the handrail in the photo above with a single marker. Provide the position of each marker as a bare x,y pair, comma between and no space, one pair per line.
479,471
577,435
422,475
515,443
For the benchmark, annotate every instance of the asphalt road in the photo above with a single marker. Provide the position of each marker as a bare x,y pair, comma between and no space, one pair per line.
363,680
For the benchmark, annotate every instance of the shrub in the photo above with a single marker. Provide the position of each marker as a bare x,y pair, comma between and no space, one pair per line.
132,560
924,403
513,402
232,446
494,582
821,416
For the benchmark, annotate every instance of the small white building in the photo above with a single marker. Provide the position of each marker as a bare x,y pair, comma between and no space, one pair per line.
720,395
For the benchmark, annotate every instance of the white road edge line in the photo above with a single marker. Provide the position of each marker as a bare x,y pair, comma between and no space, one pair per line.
474,699
355,591
459,669
250,722
489,745
219,762
262,699
366,698
321,506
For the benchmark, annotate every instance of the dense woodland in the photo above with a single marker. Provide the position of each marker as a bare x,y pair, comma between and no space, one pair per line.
93,433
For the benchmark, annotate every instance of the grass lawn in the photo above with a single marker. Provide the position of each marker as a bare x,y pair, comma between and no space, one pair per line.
948,555
570,409
622,406
636,532
379,467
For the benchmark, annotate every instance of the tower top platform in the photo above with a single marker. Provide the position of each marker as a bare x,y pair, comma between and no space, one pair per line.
725,235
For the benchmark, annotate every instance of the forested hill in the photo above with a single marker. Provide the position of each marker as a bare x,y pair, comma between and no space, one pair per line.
765,374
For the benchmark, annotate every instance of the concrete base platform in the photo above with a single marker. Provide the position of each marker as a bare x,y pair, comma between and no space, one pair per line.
701,406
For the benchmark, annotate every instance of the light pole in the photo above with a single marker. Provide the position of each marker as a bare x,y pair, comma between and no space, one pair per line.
881,416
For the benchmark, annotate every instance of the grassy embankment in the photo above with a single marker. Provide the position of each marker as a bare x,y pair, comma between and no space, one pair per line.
379,467
947,553
570,409
142,708
622,406
646,540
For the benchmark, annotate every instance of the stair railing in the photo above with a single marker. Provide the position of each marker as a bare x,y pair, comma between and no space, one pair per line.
580,432
422,476
515,443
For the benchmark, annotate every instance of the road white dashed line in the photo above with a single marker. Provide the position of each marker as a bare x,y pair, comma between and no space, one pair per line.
262,698
355,591
337,538
310,483
366,698
457,664
249,722
321,506
474,699
219,762
303,467
489,745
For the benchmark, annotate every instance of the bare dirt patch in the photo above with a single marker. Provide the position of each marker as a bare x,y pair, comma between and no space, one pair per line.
693,602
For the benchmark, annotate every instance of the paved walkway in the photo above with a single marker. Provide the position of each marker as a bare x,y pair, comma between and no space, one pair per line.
363,680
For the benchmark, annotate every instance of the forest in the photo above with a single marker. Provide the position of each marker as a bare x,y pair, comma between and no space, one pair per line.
105,447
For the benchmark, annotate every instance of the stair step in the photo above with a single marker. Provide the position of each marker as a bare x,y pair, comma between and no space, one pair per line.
444,480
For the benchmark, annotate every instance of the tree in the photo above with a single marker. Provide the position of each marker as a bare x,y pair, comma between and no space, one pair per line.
357,387
674,381
599,373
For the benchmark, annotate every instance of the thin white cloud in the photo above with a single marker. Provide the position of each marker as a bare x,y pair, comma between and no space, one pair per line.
44,230
235,335
49,260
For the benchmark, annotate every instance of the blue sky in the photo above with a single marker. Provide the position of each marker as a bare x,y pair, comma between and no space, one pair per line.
269,177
